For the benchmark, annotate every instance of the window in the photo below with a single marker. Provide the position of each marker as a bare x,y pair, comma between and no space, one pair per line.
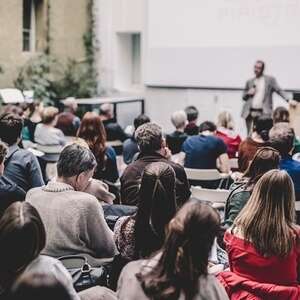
29,21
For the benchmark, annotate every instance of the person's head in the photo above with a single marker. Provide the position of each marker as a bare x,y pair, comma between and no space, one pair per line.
207,128
3,153
140,120
191,113
107,111
282,138
190,236
225,120
22,238
259,68
49,115
13,109
264,160
262,126
93,132
281,114
179,119
157,205
35,107
70,105
10,128
75,166
37,286
267,218
149,138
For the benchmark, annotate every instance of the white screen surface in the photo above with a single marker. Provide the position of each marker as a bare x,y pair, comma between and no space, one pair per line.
214,43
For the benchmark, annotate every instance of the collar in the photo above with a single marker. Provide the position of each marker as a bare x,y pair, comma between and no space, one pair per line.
12,149
54,186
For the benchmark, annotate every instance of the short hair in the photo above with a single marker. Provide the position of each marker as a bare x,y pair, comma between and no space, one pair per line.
225,120
262,126
191,113
149,137
74,160
106,108
49,113
282,138
140,120
179,119
11,126
207,126
281,114
3,151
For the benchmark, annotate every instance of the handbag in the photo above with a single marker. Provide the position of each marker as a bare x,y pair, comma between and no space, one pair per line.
83,274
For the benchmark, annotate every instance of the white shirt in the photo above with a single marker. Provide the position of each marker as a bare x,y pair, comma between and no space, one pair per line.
257,100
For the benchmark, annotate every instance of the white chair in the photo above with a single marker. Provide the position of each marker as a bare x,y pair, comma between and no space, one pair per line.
297,206
217,197
233,162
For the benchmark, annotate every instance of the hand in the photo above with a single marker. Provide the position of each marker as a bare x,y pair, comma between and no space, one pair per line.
251,92
293,103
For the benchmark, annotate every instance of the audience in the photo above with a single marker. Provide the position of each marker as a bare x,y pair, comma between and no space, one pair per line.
113,130
206,151
263,244
192,116
92,131
130,146
21,166
67,121
73,219
140,235
258,138
265,159
180,269
22,238
152,149
225,131
282,137
175,139
9,191
45,133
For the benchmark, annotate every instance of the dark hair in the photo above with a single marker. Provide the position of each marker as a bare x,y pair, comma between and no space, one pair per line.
10,128
262,126
282,138
185,253
3,151
156,207
37,286
262,64
191,113
22,238
207,125
93,132
149,138
75,159
281,114
140,120
265,159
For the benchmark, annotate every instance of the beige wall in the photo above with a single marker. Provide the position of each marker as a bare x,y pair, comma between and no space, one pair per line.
68,23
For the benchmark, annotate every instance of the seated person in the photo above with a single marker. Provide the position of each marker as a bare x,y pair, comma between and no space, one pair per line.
142,234
45,133
175,139
152,149
130,147
204,150
113,130
265,159
73,219
258,138
92,131
22,238
9,191
180,269
225,131
21,166
191,127
282,138
263,243
67,121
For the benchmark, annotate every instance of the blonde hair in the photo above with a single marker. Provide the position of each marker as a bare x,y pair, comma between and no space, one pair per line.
49,113
225,120
267,220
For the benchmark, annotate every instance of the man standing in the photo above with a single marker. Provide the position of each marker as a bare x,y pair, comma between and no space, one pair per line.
258,95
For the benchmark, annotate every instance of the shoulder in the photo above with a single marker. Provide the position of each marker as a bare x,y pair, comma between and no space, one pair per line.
211,288
34,191
110,152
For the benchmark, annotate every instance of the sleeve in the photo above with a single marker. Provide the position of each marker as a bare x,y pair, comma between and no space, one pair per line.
121,134
278,90
183,192
235,204
61,136
221,147
245,95
34,172
111,168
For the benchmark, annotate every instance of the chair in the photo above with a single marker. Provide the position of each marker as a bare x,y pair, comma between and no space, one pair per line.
217,197
233,162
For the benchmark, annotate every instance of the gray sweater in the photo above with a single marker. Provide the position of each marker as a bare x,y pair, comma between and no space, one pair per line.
74,221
